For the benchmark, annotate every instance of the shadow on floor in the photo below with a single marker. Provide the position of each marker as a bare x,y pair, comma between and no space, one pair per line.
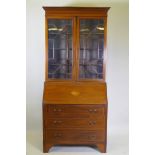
72,148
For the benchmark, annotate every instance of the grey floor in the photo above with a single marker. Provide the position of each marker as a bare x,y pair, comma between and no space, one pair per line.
117,144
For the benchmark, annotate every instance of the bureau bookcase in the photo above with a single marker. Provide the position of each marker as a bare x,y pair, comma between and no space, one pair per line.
75,94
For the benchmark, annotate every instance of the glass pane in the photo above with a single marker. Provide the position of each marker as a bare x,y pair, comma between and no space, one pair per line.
91,48
59,49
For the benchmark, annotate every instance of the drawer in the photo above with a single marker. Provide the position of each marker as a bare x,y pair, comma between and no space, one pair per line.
75,123
75,111
74,137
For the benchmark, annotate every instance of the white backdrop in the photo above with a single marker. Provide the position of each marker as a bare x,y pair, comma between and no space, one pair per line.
117,64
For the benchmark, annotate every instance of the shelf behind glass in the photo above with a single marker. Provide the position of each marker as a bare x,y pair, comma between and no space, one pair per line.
60,48
91,49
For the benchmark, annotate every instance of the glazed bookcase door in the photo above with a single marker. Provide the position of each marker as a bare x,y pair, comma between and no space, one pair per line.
60,48
91,48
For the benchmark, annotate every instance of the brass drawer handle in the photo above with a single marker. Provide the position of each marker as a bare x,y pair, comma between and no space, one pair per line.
92,122
95,110
55,110
54,122
57,122
58,135
92,137
92,110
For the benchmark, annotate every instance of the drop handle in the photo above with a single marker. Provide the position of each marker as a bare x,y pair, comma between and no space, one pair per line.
95,110
57,122
54,122
57,135
92,110
92,137
57,110
92,122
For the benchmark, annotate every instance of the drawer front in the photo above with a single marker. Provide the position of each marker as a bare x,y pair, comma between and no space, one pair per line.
75,111
74,137
75,123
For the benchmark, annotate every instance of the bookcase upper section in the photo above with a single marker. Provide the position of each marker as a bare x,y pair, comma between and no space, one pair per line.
76,40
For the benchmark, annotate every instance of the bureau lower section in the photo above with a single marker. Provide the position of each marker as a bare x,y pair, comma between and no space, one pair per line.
74,124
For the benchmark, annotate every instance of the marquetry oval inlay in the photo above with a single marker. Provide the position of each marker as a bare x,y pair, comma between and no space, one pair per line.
75,93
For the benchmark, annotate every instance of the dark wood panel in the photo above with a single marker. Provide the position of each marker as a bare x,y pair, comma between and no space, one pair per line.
61,123
75,93
74,136
76,11
75,111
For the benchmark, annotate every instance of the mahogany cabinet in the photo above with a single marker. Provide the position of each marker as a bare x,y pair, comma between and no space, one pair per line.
75,94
